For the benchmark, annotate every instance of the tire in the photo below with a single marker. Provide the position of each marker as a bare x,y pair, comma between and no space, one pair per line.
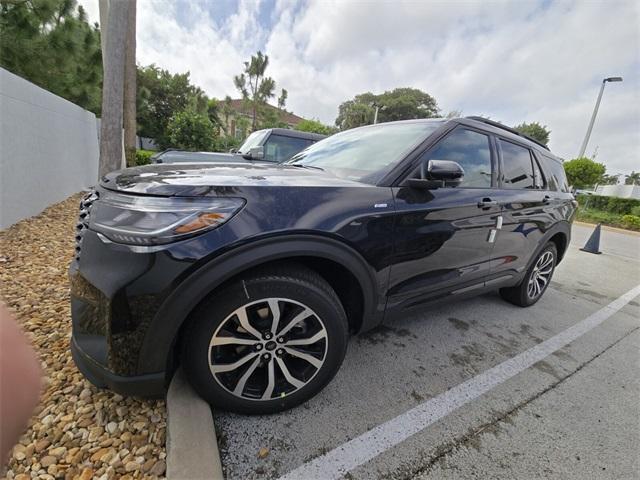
526,293
231,334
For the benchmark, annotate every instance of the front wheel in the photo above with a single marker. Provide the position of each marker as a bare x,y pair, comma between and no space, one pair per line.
536,281
267,342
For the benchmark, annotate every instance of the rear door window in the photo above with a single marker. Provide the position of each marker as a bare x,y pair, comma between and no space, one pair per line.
557,179
517,167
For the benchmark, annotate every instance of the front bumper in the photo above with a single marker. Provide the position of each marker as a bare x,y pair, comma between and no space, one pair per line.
149,385
115,294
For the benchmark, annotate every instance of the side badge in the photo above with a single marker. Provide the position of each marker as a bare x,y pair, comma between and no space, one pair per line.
380,205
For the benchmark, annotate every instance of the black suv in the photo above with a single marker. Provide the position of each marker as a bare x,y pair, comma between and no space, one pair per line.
252,276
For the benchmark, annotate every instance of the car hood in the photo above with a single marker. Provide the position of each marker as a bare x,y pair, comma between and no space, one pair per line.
197,179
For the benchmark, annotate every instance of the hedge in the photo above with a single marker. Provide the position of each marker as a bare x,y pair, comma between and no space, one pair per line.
622,206
631,221
143,157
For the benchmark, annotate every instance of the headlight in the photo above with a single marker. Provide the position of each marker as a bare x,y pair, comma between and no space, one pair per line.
137,220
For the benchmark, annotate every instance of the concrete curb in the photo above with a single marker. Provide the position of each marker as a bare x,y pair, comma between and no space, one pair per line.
192,448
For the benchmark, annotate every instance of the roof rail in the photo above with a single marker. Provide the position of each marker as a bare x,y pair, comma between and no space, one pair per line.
508,129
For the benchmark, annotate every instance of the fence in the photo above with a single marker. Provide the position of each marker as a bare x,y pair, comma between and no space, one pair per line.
48,149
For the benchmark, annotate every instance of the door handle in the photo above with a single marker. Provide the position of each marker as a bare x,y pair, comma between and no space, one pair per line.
486,203
546,199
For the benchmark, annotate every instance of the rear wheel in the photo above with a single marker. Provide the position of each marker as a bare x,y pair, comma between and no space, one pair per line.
536,280
267,342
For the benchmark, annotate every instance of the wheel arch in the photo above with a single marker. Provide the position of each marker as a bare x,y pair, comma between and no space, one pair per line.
561,240
560,235
342,266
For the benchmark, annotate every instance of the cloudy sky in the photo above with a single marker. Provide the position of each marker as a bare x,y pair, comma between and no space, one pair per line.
513,61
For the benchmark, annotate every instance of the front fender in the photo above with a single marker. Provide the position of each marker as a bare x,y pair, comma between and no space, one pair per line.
162,333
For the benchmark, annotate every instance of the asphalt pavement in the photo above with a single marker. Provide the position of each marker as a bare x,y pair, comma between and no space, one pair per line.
479,389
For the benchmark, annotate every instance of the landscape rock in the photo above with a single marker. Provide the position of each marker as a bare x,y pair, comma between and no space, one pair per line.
74,420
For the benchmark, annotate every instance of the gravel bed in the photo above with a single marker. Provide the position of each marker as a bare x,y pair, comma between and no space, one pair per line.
77,431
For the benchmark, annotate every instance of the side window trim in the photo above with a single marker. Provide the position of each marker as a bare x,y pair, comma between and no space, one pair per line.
492,155
500,161
543,173
496,162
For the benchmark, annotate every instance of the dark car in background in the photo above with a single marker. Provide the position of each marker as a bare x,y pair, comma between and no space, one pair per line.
252,275
268,145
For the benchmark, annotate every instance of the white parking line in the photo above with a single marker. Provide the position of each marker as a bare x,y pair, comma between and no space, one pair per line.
360,450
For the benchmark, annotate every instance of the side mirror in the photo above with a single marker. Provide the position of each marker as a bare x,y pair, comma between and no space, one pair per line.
255,153
438,173
233,150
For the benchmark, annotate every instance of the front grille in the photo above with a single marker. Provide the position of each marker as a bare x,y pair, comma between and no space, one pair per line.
83,219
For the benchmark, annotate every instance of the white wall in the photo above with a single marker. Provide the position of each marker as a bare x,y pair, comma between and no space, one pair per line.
48,149
623,191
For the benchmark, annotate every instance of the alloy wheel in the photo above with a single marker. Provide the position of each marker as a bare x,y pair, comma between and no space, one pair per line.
540,275
268,349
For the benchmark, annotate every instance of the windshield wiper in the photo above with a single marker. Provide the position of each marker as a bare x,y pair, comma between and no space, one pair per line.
301,165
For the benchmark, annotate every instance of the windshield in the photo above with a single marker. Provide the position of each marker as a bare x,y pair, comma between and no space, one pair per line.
365,154
253,140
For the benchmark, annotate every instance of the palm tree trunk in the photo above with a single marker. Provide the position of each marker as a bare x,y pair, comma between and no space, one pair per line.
112,87
130,86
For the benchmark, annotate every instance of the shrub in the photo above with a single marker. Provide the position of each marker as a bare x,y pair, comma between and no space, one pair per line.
636,211
191,131
583,172
623,206
631,221
315,126
226,143
143,157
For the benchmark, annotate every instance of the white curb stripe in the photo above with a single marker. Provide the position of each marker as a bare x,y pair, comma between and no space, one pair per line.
367,446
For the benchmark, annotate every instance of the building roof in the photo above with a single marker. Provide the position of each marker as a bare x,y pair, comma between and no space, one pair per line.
241,107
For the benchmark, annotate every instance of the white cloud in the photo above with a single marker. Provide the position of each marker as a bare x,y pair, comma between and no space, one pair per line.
515,61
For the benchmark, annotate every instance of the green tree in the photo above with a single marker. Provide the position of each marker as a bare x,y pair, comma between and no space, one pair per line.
256,89
50,43
632,179
315,126
609,179
583,172
535,130
282,99
188,130
161,95
213,111
270,117
224,113
397,104
354,113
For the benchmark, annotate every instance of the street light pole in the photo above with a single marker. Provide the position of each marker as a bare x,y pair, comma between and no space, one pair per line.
595,112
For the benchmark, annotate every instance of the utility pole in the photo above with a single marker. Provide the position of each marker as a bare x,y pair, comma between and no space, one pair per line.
595,112
113,54
130,126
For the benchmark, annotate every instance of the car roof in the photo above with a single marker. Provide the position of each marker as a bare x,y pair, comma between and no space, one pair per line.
508,133
297,134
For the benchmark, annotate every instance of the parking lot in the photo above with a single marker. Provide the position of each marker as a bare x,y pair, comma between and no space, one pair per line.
460,372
